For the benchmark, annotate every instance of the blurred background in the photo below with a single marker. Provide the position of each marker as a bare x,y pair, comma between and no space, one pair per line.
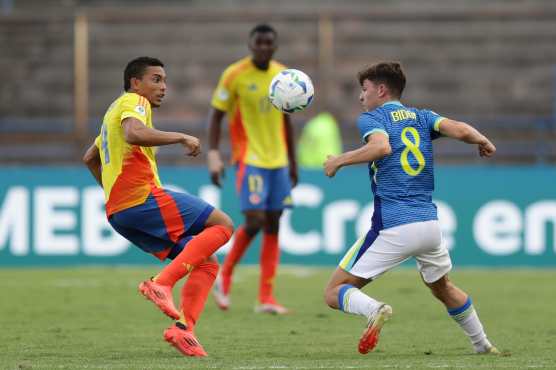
489,63
492,63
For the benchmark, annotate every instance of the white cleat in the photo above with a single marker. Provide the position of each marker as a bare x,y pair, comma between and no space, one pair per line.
271,308
370,336
489,350
222,300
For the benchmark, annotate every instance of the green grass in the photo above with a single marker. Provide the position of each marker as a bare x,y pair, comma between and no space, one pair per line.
93,318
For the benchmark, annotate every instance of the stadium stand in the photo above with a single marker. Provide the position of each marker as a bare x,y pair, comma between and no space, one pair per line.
472,62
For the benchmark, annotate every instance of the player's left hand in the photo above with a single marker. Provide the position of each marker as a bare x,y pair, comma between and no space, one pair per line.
487,149
331,166
192,145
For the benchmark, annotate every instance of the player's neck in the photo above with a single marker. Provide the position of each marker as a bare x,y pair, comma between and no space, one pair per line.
263,66
388,99
392,101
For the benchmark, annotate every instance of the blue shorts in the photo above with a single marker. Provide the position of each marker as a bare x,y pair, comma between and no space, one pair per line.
263,189
164,224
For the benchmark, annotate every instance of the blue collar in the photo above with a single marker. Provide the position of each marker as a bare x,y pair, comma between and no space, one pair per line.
393,102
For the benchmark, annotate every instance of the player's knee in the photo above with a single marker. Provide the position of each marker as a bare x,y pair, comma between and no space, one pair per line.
254,223
222,219
227,222
272,227
272,222
331,296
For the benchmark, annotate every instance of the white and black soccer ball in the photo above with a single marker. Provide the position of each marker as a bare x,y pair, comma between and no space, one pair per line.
291,91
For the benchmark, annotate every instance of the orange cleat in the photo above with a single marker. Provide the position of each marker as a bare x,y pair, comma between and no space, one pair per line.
161,296
370,336
184,340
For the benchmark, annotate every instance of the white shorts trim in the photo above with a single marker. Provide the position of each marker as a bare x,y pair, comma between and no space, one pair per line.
372,255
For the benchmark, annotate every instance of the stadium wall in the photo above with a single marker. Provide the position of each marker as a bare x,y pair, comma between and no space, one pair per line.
490,216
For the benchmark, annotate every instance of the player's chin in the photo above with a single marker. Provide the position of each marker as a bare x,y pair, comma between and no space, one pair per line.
156,103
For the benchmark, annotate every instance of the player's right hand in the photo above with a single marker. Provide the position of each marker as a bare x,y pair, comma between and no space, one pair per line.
216,167
192,144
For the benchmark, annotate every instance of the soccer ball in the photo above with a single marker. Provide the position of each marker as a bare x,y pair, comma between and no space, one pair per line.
291,91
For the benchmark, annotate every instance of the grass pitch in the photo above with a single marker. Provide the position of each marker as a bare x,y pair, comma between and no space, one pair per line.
93,318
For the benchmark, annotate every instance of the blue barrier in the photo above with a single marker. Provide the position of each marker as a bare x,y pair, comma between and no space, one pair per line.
490,216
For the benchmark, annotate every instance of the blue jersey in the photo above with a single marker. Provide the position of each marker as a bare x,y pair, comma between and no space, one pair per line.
403,181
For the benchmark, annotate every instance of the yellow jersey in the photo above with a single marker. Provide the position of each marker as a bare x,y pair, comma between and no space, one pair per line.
257,132
129,172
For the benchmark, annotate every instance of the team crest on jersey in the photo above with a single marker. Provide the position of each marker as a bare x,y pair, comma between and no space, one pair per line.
223,94
140,109
252,87
254,198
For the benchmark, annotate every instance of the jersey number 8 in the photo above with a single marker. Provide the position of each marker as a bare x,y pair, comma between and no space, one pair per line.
413,147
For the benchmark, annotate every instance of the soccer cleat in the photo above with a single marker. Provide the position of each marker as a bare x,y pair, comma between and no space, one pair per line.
222,300
184,340
271,308
376,321
490,350
161,296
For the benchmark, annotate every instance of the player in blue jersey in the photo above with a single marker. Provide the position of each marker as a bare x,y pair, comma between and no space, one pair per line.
398,148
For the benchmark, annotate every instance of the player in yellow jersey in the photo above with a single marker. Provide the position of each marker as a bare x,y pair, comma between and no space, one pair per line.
264,156
157,220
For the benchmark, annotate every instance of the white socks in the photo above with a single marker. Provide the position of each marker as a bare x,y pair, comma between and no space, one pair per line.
467,318
354,301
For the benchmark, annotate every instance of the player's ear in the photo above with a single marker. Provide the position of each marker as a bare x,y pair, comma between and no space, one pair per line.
382,90
134,83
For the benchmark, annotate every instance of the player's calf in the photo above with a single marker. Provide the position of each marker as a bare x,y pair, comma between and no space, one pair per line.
460,308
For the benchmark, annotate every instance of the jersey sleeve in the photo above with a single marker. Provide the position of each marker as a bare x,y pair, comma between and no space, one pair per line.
136,106
433,120
98,141
370,123
222,95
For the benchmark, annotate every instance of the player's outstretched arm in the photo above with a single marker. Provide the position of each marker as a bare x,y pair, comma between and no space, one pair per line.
215,163
136,133
468,134
92,161
377,147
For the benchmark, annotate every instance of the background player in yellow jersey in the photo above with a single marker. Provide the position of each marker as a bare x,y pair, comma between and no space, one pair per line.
264,156
157,220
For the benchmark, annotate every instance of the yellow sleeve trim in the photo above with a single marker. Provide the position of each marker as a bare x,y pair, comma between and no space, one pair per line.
437,123
218,104
374,131
97,141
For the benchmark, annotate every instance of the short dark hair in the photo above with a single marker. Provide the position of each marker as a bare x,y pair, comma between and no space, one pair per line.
136,69
388,73
262,28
